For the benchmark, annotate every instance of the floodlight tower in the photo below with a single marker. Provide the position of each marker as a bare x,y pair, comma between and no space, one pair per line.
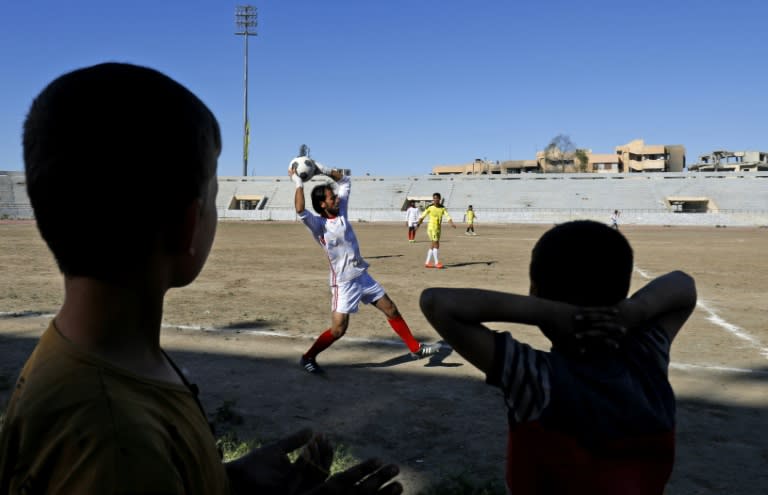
245,20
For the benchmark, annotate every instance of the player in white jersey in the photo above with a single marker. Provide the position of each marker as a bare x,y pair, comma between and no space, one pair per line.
615,219
411,220
349,279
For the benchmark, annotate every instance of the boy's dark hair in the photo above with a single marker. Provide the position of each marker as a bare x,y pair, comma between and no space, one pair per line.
113,155
436,194
582,262
318,196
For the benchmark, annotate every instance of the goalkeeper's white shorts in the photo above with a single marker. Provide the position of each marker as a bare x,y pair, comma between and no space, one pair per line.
347,296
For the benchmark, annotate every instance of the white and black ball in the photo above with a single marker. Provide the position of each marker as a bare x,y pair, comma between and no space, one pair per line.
304,167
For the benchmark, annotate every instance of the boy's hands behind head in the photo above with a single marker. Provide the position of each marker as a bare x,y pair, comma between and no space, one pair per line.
596,330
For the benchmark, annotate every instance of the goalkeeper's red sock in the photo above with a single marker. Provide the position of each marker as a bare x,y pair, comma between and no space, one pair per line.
322,343
400,327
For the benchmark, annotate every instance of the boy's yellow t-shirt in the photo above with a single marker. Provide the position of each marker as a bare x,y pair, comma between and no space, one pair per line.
77,424
435,214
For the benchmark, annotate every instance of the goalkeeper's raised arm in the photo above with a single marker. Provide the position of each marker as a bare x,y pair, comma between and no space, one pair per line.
331,172
298,198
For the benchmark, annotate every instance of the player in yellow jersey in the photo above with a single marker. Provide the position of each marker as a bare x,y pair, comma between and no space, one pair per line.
469,217
436,212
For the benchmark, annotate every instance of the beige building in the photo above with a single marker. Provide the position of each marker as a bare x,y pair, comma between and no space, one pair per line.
731,161
603,163
566,163
635,156
485,167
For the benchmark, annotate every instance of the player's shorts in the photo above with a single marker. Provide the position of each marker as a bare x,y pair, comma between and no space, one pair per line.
347,296
433,233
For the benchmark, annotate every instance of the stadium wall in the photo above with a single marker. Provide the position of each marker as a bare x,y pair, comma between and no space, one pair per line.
731,198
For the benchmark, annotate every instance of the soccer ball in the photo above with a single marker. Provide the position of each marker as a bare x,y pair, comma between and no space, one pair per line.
304,167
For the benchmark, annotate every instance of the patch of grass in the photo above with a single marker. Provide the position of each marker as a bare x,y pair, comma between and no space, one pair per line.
342,459
233,448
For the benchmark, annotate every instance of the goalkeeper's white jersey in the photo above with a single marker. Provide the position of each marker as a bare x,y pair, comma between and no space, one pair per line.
336,237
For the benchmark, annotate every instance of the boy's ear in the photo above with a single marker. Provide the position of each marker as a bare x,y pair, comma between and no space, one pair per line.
190,222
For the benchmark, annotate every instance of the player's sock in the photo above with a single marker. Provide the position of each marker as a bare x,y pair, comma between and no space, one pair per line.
434,252
322,343
400,327
429,255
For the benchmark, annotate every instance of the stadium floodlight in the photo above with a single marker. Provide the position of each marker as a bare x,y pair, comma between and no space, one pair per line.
245,20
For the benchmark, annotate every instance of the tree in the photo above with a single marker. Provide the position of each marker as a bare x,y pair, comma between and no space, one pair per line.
582,158
560,151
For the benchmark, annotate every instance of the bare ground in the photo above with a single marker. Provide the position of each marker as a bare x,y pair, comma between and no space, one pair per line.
239,329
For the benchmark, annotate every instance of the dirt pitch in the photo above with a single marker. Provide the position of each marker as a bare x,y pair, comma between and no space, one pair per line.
240,328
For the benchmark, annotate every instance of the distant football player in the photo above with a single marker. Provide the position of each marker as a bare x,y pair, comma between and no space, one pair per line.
436,212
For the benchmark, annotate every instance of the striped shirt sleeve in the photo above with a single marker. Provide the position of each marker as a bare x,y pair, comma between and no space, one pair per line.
523,375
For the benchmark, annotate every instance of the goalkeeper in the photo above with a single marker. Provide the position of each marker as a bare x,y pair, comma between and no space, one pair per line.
349,279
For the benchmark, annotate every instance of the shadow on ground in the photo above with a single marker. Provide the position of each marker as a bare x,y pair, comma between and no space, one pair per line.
435,425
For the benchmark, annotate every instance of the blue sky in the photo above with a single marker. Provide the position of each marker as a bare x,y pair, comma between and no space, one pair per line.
396,87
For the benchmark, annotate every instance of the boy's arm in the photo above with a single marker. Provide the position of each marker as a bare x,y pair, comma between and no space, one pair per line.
448,217
668,300
298,198
458,316
423,214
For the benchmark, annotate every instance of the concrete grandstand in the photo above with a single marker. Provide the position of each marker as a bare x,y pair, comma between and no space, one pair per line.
677,198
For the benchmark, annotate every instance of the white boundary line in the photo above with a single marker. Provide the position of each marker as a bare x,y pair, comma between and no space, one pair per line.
398,343
717,320
726,369
273,333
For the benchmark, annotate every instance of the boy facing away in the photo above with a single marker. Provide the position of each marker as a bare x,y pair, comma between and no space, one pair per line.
596,414
121,173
